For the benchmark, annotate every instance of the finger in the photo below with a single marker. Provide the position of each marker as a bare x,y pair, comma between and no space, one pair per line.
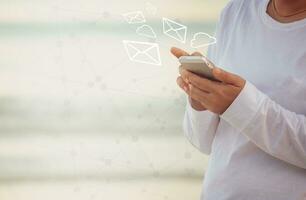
227,77
181,69
182,84
196,54
199,95
184,74
200,82
178,52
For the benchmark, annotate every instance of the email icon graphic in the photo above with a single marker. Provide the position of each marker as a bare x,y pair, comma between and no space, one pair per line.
136,17
143,52
174,30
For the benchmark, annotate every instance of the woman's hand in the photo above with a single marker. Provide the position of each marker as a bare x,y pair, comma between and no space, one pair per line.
183,84
194,104
206,94
213,95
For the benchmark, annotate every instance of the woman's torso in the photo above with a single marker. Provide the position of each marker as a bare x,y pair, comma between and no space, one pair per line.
273,58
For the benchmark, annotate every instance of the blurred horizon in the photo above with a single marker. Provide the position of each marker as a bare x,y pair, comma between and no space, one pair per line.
93,10
78,119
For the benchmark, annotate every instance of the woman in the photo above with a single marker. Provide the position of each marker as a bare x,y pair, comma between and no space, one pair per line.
253,124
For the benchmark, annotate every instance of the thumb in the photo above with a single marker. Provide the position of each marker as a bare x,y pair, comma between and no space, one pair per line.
178,52
227,77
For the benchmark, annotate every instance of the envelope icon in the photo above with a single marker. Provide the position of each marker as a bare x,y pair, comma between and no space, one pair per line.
143,52
136,17
174,30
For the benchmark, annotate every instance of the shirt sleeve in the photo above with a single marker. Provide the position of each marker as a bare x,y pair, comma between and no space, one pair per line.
274,129
200,128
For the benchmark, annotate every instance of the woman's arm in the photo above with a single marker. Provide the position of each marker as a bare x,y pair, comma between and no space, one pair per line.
277,131
200,127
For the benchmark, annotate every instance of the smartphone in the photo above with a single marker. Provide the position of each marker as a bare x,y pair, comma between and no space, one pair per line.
199,65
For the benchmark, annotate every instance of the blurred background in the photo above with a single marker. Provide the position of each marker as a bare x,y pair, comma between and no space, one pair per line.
78,119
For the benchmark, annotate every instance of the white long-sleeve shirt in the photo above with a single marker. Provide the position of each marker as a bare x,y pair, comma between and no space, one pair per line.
257,147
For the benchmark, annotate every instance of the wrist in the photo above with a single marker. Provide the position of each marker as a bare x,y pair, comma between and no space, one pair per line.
196,105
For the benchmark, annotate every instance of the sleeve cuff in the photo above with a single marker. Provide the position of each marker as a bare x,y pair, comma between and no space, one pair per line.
244,108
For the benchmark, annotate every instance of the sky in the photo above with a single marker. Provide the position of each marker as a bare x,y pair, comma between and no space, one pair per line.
86,10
